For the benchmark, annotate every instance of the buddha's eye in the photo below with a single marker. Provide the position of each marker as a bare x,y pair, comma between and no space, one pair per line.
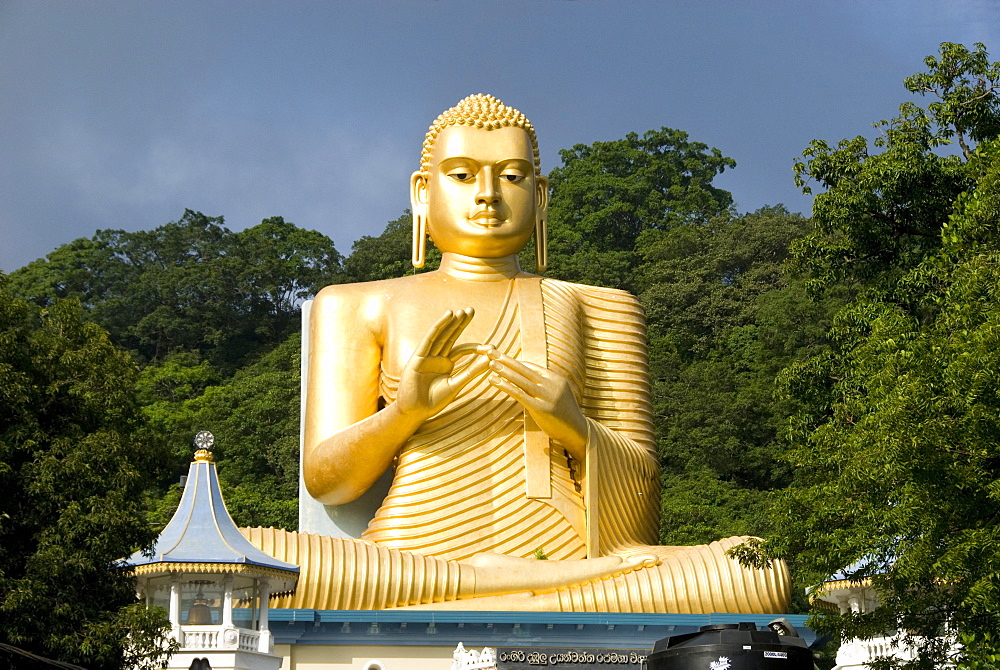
460,175
512,177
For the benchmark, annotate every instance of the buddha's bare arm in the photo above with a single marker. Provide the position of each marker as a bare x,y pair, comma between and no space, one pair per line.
348,443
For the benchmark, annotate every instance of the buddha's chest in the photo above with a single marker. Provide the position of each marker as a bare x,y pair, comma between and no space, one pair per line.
408,322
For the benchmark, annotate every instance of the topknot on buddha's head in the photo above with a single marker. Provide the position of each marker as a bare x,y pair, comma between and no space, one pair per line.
479,111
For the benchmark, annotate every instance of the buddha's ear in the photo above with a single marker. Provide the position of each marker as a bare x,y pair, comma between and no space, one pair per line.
418,191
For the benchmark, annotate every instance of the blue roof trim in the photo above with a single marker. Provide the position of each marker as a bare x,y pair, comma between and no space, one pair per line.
401,627
201,530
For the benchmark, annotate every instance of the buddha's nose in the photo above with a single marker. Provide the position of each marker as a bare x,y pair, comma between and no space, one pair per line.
487,193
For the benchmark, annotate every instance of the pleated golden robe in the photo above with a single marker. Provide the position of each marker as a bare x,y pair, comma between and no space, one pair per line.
481,477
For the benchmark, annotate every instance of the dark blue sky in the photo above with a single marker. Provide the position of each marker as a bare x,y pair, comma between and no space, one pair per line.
123,114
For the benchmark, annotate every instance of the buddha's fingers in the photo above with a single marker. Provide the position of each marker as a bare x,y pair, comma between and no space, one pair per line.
448,332
547,396
527,373
459,324
524,382
514,383
511,389
469,349
476,368
431,339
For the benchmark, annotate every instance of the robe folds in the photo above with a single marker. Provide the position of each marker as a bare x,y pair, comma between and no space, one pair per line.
480,476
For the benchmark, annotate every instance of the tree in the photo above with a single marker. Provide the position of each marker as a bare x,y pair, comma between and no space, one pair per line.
273,267
254,416
190,285
73,479
883,212
895,436
255,419
723,320
606,194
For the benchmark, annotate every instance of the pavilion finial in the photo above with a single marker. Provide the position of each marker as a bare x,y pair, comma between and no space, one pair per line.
204,441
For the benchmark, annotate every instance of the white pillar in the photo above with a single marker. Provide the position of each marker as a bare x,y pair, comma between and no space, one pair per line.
227,602
175,608
266,641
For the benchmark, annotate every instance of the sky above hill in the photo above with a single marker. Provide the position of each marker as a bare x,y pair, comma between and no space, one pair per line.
124,114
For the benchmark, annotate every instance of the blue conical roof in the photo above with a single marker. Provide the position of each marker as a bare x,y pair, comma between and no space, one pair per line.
201,531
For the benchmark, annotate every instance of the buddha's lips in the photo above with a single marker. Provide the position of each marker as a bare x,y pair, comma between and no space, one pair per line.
486,218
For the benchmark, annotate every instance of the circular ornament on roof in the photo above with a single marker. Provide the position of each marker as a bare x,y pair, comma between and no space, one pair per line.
204,440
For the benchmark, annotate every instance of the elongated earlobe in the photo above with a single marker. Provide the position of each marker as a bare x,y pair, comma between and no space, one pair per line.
541,244
419,254
541,226
418,203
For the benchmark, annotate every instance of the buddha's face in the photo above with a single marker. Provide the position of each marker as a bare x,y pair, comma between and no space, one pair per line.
480,194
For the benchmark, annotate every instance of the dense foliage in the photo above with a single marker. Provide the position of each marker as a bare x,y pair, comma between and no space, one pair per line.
72,478
190,286
723,320
387,255
606,194
895,437
255,418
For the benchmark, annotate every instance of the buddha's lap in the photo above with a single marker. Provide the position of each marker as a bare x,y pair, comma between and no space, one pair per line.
343,573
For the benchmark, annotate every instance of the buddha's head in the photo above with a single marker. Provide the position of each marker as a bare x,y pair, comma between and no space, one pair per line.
479,191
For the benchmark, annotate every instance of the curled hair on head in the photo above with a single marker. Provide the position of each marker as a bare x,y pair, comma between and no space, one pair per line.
479,111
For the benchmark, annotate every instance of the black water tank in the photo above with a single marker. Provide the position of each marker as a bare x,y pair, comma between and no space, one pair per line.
730,646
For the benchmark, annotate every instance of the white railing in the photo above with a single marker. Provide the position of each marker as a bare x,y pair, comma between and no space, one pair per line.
199,637
858,653
216,637
249,640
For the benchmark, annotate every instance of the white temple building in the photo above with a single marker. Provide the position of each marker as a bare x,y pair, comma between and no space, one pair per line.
857,595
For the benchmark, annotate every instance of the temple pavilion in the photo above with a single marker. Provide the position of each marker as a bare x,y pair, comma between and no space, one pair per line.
212,581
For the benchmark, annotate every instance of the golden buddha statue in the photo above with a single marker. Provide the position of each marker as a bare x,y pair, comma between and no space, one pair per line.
513,412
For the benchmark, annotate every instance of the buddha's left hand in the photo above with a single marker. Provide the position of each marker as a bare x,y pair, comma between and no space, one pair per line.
546,395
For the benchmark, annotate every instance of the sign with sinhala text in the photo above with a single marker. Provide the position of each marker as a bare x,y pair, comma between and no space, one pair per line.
518,658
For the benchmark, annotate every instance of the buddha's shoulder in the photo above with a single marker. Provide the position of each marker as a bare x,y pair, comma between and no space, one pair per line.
379,290
596,295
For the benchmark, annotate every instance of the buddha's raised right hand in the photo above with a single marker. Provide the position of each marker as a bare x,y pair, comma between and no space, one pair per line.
339,468
429,381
